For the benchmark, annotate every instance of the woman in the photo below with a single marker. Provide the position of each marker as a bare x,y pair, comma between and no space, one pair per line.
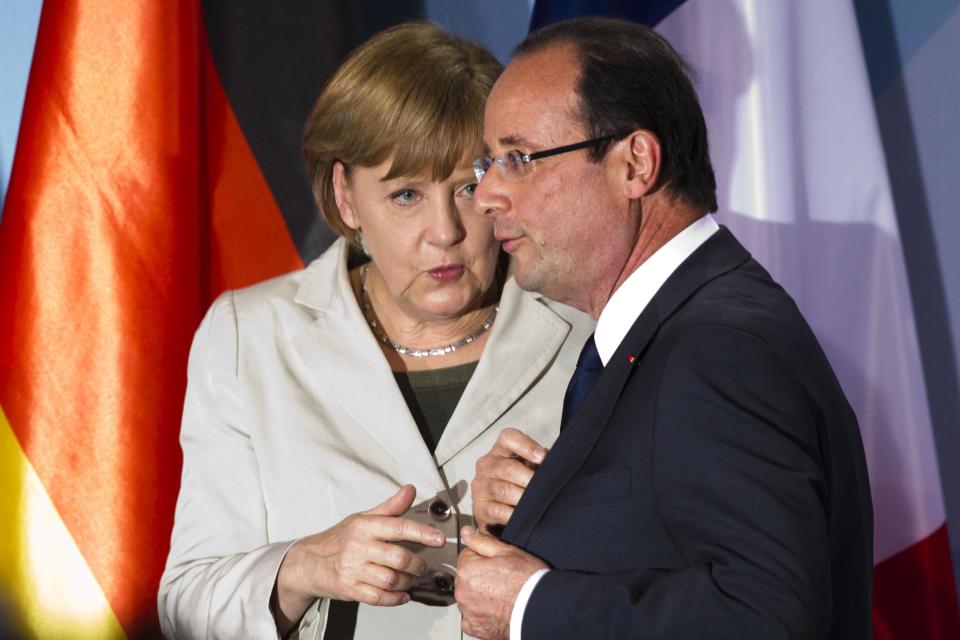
334,415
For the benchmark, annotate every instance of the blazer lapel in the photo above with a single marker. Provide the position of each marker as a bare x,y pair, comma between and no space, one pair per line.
337,357
718,255
523,342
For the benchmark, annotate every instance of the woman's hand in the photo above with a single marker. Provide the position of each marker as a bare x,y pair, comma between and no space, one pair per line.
501,477
355,560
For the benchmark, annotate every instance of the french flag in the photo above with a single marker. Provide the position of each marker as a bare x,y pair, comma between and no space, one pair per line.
802,182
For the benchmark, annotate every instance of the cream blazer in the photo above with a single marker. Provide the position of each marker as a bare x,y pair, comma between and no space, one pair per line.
293,421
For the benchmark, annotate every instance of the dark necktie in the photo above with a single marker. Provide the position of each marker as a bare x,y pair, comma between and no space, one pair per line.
589,368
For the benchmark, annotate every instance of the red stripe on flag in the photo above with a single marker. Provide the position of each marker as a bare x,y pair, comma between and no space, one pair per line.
914,595
249,238
134,199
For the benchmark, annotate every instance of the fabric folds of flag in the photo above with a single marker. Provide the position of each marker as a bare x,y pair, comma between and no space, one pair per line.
157,165
134,199
802,182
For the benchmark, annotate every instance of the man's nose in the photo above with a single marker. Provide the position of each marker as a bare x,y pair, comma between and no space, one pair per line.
490,196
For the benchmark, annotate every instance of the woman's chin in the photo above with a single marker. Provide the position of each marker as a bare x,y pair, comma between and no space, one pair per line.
450,307
446,312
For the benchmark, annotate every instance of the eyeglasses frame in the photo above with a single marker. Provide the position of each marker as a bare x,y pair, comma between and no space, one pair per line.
527,158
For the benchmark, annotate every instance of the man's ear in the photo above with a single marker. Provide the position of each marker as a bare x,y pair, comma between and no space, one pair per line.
640,153
343,195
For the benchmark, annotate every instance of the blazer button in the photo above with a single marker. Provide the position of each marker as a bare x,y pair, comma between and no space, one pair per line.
443,581
440,510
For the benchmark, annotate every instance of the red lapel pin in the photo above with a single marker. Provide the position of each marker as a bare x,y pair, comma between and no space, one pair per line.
631,358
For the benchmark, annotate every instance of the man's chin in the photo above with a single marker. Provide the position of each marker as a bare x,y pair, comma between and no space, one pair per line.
545,285
531,279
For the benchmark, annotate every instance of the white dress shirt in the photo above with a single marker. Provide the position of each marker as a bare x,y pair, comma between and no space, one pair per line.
621,311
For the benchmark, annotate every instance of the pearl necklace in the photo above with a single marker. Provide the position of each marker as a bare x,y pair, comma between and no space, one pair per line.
408,351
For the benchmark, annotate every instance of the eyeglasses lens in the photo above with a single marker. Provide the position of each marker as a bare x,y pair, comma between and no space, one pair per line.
480,167
511,165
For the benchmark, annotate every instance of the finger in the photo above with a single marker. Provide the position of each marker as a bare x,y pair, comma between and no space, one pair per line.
512,470
482,544
387,579
395,557
513,442
369,594
497,491
405,529
491,513
397,504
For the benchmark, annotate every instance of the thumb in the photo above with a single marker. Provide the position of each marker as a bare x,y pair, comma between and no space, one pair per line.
482,544
397,504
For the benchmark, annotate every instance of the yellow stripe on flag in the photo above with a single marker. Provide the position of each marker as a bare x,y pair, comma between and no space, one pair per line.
45,582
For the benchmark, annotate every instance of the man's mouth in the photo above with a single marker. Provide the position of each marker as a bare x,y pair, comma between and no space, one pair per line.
509,242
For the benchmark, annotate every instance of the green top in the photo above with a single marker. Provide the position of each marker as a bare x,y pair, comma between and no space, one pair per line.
432,397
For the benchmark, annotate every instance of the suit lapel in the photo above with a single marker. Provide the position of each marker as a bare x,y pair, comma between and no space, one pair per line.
524,341
718,255
576,440
337,357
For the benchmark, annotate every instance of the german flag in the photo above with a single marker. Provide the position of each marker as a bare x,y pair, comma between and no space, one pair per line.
157,165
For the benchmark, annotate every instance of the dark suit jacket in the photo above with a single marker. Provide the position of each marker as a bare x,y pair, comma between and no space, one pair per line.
713,487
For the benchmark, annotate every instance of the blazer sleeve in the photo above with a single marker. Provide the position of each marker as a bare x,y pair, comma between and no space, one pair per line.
221,569
739,481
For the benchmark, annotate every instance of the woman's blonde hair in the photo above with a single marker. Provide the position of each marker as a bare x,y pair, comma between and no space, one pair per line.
413,92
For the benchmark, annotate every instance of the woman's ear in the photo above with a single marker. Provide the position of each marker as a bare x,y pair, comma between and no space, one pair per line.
640,155
343,195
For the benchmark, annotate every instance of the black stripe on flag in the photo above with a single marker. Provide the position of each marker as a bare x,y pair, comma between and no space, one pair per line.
273,59
649,12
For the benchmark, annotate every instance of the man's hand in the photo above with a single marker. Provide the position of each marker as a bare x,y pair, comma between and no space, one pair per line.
490,574
501,477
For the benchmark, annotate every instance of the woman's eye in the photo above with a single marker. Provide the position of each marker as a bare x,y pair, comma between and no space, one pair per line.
405,197
468,190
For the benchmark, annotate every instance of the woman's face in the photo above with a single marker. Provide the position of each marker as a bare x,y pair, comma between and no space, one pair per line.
435,253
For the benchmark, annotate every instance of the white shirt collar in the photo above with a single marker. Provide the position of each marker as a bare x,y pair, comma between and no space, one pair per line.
628,302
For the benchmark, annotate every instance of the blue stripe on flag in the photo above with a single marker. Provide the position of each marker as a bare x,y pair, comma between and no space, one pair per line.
648,12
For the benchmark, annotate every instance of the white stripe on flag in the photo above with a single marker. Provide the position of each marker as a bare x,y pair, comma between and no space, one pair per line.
802,182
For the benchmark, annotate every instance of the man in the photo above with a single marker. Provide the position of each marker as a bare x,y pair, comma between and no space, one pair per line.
712,482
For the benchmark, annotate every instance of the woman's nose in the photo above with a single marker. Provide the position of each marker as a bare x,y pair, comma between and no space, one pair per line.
446,227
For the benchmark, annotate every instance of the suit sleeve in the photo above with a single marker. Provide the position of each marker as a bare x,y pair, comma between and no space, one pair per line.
738,477
221,569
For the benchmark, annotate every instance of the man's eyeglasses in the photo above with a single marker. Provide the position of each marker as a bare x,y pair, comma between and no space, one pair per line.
513,164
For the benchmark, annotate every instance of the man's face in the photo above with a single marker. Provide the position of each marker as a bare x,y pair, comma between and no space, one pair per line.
562,219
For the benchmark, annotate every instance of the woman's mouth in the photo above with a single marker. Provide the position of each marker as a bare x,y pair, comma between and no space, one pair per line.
447,273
